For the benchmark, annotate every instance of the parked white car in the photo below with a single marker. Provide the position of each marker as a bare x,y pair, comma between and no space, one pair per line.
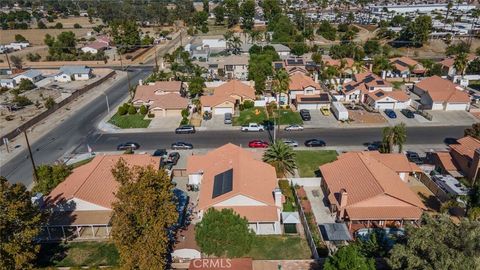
290,142
252,127
294,128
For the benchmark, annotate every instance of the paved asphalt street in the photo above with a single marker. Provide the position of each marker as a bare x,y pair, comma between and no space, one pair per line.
210,139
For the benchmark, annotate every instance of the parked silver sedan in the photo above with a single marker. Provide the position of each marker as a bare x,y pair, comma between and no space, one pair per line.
290,142
294,128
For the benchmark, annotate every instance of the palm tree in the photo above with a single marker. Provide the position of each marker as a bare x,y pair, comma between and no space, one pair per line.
449,7
381,63
234,44
396,135
255,36
280,84
282,158
460,63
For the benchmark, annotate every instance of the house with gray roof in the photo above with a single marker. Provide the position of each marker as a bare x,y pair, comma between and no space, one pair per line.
31,75
8,83
75,73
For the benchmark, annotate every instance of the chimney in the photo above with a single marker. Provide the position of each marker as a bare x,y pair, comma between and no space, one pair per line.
277,194
343,201
140,82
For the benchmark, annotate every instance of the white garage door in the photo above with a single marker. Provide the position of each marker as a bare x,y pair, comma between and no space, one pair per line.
385,105
456,107
308,107
221,111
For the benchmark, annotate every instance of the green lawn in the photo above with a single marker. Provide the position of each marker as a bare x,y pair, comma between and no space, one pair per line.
308,161
279,248
129,121
288,117
249,116
78,254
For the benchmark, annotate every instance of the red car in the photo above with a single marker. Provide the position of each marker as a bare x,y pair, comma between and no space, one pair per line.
258,144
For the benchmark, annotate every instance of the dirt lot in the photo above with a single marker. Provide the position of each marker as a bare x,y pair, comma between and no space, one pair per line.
361,116
69,22
56,90
36,36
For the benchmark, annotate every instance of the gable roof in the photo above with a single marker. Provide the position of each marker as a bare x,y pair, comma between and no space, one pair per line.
235,87
150,92
365,177
402,64
31,73
169,101
442,90
252,178
450,61
214,100
299,81
363,81
94,182
71,70
466,146
397,95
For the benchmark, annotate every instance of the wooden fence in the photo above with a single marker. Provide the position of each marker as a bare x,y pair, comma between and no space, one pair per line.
433,187
12,134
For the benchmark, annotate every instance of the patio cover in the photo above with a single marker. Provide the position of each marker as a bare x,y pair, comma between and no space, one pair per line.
80,218
335,232
290,218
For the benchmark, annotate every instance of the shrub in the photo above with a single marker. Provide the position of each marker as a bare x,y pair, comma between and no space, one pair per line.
20,38
22,100
247,104
143,110
121,110
132,110
26,85
77,26
59,25
41,25
241,107
184,121
9,117
185,113
128,57
151,115
33,57
49,103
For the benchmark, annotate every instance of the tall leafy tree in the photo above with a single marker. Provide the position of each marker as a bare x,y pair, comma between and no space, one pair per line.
232,9
143,214
125,35
281,157
460,63
473,131
248,13
271,9
418,31
347,258
438,243
49,176
20,223
223,233
219,12
281,83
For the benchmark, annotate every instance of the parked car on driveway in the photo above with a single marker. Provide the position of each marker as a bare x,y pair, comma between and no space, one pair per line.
294,128
390,113
414,157
315,143
305,114
160,153
185,130
173,158
325,111
181,145
227,118
252,127
128,145
258,144
290,142
408,113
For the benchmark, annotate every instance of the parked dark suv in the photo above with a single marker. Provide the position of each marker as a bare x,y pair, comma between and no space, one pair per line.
185,130
305,114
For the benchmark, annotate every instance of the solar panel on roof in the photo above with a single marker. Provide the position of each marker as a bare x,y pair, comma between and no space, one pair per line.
368,79
379,82
222,183
278,65
320,98
379,94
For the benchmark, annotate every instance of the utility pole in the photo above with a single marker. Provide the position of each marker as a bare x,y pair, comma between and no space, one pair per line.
156,60
35,176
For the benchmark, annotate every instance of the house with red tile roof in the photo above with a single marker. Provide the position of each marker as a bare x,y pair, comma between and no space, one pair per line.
305,93
448,64
84,200
405,66
236,178
462,159
366,189
226,96
163,98
441,94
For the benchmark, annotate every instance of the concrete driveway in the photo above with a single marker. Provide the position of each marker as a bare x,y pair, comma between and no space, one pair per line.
320,120
216,123
317,201
167,123
440,118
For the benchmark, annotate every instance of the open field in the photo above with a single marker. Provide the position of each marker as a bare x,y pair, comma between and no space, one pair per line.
36,36
70,21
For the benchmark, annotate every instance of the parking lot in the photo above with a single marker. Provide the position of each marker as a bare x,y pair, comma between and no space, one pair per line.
440,118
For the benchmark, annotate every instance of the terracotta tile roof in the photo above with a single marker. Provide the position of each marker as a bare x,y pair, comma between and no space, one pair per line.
94,182
398,95
442,90
369,182
384,213
256,213
396,161
299,81
450,61
150,92
466,146
214,100
362,81
235,87
337,62
402,63
252,178
446,161
170,101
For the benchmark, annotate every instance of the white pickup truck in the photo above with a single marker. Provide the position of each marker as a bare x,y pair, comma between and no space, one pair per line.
252,127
